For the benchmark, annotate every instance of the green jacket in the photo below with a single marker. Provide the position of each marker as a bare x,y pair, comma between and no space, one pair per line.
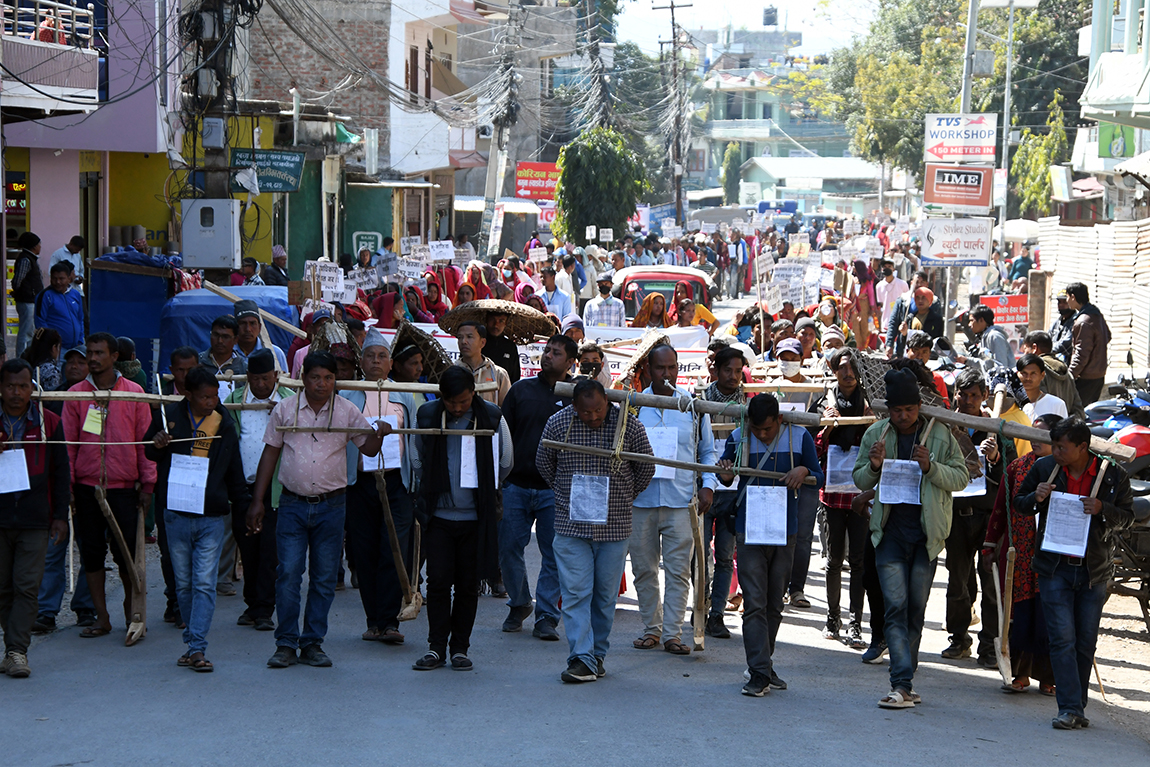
947,475
237,415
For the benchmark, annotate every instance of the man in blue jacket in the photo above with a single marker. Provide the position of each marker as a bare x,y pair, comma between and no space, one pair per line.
61,307
765,567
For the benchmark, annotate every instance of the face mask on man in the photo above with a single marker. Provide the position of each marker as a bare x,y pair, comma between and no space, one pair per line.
604,289
590,369
887,272
790,368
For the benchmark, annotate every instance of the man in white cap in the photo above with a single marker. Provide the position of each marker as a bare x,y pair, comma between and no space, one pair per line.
276,272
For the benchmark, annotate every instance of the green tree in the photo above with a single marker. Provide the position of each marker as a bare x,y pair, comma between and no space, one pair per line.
600,182
730,173
1033,158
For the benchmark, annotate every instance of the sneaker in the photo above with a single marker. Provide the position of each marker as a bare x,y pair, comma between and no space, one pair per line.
429,661
460,662
85,619
1083,722
15,665
283,657
987,660
776,683
855,640
757,687
601,672
1065,722
45,624
515,618
545,630
245,619
716,628
831,630
875,652
225,589
264,624
957,651
313,655
577,671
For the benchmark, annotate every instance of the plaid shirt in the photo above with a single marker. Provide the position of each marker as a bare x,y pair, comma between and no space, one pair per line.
712,394
558,467
604,312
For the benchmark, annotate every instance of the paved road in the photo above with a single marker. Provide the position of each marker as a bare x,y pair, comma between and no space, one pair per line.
97,702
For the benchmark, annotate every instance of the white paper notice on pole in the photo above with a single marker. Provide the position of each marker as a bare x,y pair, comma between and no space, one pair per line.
187,482
840,469
537,254
1067,526
694,226
410,268
666,223
956,241
421,253
468,473
976,488
900,482
589,235
606,235
664,444
329,275
773,297
364,279
407,243
708,228
588,500
442,250
852,226
766,515
13,471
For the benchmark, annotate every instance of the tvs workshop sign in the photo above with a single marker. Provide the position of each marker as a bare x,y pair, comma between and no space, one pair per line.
536,180
957,188
961,138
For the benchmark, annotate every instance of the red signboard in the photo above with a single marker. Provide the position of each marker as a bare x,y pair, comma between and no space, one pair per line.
536,180
957,188
1009,310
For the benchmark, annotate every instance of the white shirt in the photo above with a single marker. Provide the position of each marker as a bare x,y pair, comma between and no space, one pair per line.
1047,403
76,259
253,424
565,284
887,293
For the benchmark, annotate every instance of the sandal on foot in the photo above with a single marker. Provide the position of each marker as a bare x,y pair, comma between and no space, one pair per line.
371,635
391,636
1020,684
184,661
201,664
1047,690
646,642
675,647
95,631
896,699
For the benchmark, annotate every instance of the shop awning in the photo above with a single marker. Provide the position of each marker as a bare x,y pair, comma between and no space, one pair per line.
396,184
472,204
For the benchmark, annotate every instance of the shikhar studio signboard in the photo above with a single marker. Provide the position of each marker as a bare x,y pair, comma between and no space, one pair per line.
956,242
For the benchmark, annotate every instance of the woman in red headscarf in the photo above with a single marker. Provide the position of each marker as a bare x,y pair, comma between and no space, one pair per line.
653,313
478,284
434,302
417,304
703,315
389,309
464,294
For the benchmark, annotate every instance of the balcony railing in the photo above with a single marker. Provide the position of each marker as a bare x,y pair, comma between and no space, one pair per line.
50,60
50,22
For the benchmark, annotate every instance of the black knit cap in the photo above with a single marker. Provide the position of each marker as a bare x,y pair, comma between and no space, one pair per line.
901,388
261,361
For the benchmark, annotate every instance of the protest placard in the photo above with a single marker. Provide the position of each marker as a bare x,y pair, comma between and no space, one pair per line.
407,243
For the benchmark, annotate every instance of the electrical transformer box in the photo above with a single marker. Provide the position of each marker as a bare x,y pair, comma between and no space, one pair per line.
210,233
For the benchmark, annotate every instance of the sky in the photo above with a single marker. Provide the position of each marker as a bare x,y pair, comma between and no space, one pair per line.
824,25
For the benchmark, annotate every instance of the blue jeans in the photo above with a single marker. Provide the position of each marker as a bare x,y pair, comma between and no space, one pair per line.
311,533
589,576
26,313
53,584
808,510
523,506
1073,610
721,567
905,574
194,544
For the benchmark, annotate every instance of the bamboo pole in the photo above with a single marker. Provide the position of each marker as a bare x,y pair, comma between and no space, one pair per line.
785,386
565,389
266,316
157,399
355,430
685,465
1011,429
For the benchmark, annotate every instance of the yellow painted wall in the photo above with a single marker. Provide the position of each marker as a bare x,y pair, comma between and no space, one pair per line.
16,159
136,190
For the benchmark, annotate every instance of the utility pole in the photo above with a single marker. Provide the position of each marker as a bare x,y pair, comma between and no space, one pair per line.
1006,118
504,114
968,57
677,145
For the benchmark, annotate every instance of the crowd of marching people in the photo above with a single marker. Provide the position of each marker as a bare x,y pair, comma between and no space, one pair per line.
431,494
